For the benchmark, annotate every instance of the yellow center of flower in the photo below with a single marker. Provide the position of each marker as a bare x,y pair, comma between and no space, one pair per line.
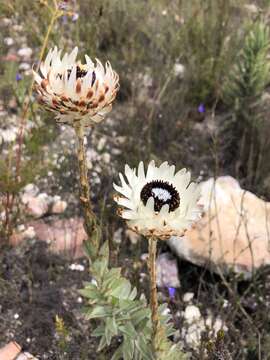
162,193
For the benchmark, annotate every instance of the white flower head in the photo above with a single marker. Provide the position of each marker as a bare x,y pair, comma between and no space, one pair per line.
160,202
75,91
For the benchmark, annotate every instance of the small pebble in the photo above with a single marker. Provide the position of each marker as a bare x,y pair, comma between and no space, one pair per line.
76,267
188,296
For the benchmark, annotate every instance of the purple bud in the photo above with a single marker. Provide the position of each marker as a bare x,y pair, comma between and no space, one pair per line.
172,292
201,109
18,77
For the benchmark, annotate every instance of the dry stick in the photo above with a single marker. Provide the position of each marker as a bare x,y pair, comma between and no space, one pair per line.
91,224
152,249
6,222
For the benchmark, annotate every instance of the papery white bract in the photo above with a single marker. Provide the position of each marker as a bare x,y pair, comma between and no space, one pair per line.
74,91
160,202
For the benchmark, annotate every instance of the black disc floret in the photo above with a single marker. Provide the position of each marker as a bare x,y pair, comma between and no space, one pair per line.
80,73
163,193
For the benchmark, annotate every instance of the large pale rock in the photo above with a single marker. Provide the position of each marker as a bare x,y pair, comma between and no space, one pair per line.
13,351
10,351
63,235
233,233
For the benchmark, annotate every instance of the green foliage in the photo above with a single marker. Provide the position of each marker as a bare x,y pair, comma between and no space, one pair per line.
251,73
33,144
159,105
112,299
243,94
124,40
16,166
39,11
207,46
62,334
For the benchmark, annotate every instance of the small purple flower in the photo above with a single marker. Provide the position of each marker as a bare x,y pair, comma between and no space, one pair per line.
201,109
18,77
172,292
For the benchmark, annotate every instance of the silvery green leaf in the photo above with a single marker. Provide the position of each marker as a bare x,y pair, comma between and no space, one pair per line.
98,312
99,331
143,298
140,315
88,284
108,335
118,354
110,329
99,268
128,329
114,283
110,276
104,250
170,330
144,348
122,291
162,308
128,348
90,249
133,294
90,293
143,325
129,306
102,343
170,351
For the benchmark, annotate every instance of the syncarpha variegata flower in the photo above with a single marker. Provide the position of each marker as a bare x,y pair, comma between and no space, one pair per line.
160,203
75,91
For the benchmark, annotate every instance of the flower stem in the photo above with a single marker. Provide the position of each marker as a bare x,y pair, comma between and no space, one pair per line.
91,224
152,249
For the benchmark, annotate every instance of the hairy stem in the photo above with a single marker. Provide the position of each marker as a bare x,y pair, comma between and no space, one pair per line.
91,224
152,249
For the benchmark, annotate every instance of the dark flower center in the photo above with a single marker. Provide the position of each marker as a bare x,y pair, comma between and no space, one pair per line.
163,193
80,73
